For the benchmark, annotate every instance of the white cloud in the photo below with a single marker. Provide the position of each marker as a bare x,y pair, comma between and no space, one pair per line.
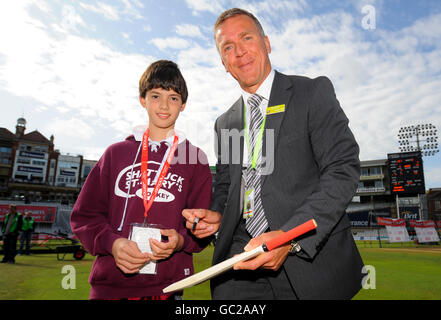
170,43
147,28
107,11
43,6
129,9
70,74
132,8
272,9
90,152
189,30
70,18
71,128
213,6
127,37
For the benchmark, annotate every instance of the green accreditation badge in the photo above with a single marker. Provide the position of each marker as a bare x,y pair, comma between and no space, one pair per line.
275,109
248,207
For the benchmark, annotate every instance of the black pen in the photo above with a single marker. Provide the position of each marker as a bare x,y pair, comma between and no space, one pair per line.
195,222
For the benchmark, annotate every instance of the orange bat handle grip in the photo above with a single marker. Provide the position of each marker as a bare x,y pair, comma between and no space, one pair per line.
291,234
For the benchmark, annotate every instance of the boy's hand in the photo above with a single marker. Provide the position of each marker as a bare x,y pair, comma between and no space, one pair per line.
209,221
163,250
127,255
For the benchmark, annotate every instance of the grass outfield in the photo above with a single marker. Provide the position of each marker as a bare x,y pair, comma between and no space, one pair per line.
403,273
400,273
39,277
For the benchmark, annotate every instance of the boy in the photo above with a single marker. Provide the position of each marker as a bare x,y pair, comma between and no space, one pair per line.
120,191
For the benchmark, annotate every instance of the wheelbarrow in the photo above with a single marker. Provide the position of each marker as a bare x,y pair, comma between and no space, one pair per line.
77,250
61,250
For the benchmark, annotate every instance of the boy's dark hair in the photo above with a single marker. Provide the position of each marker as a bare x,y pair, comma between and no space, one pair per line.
235,12
166,75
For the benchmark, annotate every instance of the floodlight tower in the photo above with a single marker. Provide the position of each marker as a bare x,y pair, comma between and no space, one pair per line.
426,139
424,135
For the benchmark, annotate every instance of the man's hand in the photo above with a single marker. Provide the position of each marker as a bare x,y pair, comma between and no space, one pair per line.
271,260
163,250
127,255
209,221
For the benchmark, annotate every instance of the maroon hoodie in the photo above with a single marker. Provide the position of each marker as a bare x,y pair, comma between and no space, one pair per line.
111,201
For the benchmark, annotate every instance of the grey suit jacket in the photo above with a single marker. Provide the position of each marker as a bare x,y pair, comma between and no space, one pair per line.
315,172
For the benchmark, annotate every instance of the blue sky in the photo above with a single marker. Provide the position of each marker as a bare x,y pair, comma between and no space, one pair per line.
71,68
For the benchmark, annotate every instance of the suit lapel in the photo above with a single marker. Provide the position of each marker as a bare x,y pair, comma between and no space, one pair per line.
280,95
236,121
236,115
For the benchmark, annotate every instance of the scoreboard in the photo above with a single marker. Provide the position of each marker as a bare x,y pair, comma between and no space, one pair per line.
406,173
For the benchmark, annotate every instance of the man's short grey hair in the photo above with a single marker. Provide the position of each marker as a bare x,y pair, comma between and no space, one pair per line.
235,12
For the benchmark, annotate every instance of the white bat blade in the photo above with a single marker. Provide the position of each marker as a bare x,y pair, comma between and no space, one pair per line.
212,271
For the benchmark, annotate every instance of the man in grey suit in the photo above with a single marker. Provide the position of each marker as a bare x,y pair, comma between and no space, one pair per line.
306,166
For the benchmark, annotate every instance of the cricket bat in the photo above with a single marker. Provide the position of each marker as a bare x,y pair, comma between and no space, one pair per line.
229,263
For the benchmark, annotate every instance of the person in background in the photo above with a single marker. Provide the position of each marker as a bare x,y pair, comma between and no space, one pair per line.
27,229
10,229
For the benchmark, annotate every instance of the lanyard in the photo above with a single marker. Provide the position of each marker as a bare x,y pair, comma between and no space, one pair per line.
144,173
258,144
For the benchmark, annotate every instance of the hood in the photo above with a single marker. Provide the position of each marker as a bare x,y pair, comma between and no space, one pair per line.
139,130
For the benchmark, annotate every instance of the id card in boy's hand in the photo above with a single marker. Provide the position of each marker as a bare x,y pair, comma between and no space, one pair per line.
141,235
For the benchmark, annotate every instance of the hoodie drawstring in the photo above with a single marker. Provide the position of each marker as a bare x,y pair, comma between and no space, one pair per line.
128,191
